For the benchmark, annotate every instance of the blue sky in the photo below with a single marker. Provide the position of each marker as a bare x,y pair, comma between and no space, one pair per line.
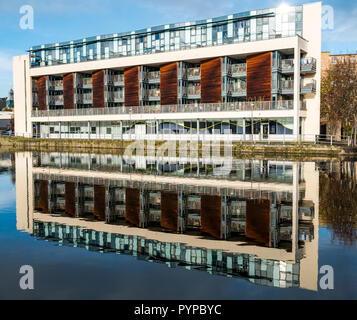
61,20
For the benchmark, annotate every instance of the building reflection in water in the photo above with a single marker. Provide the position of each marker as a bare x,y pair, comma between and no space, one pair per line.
258,220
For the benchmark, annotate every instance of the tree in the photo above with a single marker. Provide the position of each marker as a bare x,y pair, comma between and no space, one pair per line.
339,96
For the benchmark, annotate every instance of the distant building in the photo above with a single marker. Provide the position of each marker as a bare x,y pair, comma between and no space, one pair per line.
10,99
2,103
328,59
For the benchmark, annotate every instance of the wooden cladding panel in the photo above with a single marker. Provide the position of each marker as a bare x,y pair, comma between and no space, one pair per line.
70,198
211,215
68,91
131,86
132,206
211,81
259,77
258,221
98,89
169,84
44,196
169,210
99,202
42,93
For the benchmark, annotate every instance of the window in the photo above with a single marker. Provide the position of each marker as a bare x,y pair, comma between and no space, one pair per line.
333,60
93,130
52,130
109,130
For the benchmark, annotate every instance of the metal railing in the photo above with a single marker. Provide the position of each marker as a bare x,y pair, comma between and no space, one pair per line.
193,72
309,86
56,100
237,68
308,64
117,78
187,108
287,85
192,90
287,64
153,76
37,62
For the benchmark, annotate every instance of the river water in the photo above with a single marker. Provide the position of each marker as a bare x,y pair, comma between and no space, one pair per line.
144,227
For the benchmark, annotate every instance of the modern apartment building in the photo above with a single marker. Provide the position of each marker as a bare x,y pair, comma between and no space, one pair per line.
258,221
252,76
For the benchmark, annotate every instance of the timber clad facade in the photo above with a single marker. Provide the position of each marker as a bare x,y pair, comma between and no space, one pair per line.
259,77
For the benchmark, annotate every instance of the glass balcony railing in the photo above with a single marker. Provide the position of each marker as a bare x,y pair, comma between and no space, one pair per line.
192,91
116,96
117,78
153,76
287,65
153,94
308,65
309,86
187,108
235,89
240,68
287,85
56,100
84,82
193,73
85,98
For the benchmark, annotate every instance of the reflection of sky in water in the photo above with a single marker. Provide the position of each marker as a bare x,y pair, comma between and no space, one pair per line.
74,273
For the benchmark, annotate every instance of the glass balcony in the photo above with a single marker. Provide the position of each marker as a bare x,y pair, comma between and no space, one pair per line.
285,105
85,83
116,96
56,100
236,70
287,86
287,66
192,92
193,73
308,65
309,86
117,79
237,90
84,98
153,77
55,85
153,94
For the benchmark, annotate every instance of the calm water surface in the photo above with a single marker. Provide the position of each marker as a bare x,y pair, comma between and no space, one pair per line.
120,227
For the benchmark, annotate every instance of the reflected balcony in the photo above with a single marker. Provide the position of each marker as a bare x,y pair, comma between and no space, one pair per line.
56,100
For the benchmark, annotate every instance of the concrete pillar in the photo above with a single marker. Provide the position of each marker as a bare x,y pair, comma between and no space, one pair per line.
297,54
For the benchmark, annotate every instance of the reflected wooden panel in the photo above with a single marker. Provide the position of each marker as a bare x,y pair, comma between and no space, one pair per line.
259,77
169,84
258,221
169,210
132,206
98,89
211,215
42,93
131,86
211,81
43,196
68,91
99,202
70,198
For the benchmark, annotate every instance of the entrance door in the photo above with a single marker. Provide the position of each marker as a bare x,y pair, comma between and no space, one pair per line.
265,130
